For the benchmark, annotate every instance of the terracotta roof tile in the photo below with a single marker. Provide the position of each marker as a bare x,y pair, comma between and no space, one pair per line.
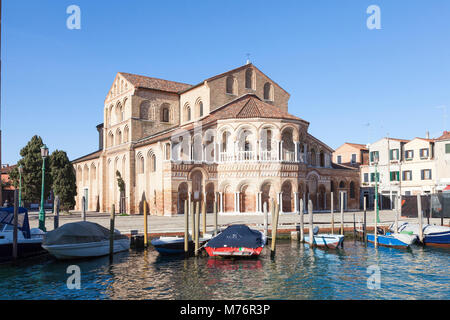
357,145
246,107
91,156
154,83
250,106
445,136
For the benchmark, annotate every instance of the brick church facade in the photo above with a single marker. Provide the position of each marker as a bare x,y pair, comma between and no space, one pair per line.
228,139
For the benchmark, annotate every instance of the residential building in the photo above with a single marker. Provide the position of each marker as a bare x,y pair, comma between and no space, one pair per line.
408,167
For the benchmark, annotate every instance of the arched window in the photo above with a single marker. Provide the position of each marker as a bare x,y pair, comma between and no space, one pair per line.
342,185
118,137
187,112
322,159
144,110
352,190
313,157
126,133
268,91
165,114
231,85
152,163
140,164
167,151
249,79
110,139
225,137
200,109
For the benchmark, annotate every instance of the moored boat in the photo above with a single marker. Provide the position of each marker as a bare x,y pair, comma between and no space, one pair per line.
394,240
28,240
175,245
82,240
332,241
236,241
432,235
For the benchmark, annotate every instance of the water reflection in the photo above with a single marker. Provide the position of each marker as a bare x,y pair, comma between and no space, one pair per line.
297,272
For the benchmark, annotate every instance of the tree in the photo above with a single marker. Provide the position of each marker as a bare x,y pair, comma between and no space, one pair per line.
32,172
121,185
64,179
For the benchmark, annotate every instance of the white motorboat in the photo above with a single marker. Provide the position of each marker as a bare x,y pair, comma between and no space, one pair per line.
433,235
28,241
82,240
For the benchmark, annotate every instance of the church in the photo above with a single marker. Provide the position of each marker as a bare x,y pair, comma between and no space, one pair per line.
229,138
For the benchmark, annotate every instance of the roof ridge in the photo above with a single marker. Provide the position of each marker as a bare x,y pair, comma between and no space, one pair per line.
249,106
153,78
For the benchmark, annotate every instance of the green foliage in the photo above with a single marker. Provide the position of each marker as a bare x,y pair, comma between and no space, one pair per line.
120,182
64,179
32,172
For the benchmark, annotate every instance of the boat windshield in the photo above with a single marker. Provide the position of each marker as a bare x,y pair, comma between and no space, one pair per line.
7,220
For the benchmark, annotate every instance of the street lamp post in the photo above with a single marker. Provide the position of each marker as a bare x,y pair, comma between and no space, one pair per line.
44,154
20,184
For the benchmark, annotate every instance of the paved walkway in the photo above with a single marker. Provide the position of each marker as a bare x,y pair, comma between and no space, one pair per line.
175,225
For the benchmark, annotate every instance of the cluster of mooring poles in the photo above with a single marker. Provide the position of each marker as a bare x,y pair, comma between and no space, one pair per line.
195,211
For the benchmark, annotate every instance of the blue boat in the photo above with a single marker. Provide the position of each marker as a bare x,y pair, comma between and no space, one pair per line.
398,240
432,235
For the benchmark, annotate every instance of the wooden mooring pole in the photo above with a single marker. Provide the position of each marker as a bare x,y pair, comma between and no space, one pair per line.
83,208
197,226
342,213
186,227
311,223
192,213
420,217
15,222
275,215
302,222
365,221
266,219
397,212
144,204
111,231
332,213
204,218
56,213
216,222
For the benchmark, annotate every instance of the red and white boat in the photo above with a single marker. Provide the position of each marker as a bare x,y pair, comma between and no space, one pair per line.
236,241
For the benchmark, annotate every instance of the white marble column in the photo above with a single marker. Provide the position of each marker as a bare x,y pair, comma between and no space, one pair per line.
236,202
296,209
280,201
281,151
259,202
296,152
221,207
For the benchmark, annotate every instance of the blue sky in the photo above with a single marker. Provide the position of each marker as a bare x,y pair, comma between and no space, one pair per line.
340,74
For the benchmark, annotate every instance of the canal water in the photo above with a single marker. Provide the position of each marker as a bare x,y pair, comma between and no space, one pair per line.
297,272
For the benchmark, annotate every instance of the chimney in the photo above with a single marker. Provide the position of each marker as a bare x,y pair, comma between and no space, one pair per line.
100,136
427,135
